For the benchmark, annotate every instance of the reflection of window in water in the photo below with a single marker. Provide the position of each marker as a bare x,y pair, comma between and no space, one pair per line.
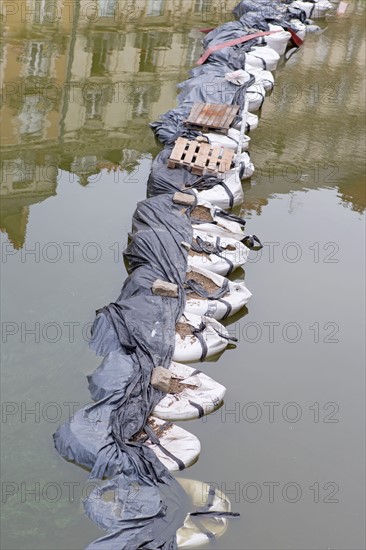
31,115
149,43
23,174
45,11
140,105
154,8
202,5
93,103
37,59
100,54
194,47
107,8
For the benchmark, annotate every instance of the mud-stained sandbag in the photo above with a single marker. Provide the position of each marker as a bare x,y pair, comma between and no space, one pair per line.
87,440
198,338
212,295
193,395
175,447
210,220
217,255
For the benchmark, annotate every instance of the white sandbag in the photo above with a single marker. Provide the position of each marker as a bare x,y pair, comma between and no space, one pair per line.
231,255
255,95
262,77
299,28
220,226
229,141
313,10
277,41
181,444
245,165
263,57
234,300
251,123
206,337
193,534
201,395
230,193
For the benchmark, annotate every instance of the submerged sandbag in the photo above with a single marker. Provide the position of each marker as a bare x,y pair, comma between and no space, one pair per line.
137,515
210,521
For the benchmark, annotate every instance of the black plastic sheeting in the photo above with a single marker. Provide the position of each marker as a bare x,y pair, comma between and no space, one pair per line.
207,83
137,332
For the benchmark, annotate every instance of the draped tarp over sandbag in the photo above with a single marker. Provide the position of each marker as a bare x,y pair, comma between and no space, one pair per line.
224,191
259,12
138,320
204,87
136,334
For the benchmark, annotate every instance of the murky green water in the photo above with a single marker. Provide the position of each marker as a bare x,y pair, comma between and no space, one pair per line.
288,445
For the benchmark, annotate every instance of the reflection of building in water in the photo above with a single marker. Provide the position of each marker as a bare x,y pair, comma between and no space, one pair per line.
82,80
79,91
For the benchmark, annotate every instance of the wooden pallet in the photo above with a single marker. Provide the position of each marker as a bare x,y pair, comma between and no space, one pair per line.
200,157
211,116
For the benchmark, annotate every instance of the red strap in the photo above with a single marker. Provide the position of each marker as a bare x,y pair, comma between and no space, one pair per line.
230,43
206,31
296,39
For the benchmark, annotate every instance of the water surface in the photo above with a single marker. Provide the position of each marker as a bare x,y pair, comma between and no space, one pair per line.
288,445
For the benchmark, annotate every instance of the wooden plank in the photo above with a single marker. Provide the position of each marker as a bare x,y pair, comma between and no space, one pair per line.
190,153
196,109
201,117
178,149
226,160
212,114
220,116
201,159
214,158
230,116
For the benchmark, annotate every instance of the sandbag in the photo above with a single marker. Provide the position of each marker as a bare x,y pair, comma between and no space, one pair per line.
210,220
87,440
262,57
251,122
235,295
256,95
217,255
203,528
198,338
315,9
263,77
196,395
229,140
175,447
278,41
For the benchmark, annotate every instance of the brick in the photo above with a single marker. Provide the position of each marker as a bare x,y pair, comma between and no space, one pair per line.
160,379
184,198
163,288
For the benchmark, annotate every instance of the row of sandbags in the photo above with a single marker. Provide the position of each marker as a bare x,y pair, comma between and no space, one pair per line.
127,435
